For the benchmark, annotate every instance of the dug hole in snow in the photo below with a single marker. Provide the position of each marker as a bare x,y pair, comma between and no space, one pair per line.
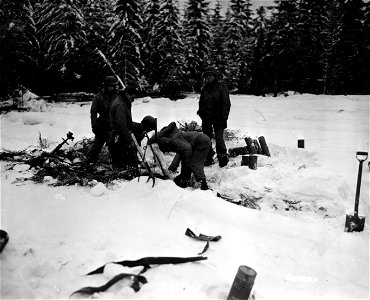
295,241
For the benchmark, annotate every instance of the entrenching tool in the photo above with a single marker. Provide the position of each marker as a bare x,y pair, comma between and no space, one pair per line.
157,158
354,222
143,160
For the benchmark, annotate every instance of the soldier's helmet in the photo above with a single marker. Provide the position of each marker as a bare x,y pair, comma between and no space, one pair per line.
149,123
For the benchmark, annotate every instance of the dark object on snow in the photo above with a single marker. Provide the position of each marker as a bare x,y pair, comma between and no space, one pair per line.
300,143
202,237
264,147
250,161
69,137
4,238
243,284
233,152
354,222
89,290
147,261
250,145
257,146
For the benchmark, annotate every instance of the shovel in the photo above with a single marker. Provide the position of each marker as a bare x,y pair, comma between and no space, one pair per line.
354,222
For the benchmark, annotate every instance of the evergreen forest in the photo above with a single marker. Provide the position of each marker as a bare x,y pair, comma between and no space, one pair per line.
307,46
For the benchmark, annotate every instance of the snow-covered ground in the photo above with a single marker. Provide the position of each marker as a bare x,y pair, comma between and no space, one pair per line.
295,242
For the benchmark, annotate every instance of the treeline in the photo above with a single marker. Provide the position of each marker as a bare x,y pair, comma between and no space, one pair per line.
311,46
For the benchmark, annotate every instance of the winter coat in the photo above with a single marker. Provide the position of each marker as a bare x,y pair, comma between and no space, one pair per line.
121,118
101,105
192,146
214,102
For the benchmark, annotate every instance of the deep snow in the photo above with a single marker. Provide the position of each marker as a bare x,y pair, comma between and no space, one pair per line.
296,242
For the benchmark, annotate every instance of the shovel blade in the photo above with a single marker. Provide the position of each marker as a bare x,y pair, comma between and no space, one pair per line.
354,223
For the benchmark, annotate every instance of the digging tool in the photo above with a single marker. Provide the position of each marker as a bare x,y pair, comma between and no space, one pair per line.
143,160
158,158
354,222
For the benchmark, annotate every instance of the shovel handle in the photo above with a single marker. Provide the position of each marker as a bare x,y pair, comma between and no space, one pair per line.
359,181
361,153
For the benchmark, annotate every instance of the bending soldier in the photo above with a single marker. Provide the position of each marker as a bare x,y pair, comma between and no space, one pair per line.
192,146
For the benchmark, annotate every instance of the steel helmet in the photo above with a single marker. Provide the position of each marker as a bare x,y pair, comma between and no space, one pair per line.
149,123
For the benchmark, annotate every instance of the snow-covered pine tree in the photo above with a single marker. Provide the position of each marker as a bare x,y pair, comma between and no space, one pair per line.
282,43
310,27
98,15
61,31
239,44
218,50
350,49
151,41
366,64
260,57
197,37
126,42
19,45
330,39
172,76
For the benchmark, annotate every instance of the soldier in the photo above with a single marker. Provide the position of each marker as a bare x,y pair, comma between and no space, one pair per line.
192,146
214,108
99,114
121,145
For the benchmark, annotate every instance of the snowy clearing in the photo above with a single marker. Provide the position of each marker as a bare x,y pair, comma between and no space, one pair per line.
296,241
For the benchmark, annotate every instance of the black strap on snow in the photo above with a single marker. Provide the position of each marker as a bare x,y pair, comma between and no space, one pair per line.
89,290
202,237
147,261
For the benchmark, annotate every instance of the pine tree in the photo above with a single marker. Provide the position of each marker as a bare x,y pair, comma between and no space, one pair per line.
171,66
238,44
366,55
350,48
311,23
330,64
283,43
61,31
151,41
98,16
259,68
125,41
19,45
197,38
218,50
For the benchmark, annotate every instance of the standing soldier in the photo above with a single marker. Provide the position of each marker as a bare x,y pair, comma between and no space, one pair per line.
121,145
214,108
99,114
